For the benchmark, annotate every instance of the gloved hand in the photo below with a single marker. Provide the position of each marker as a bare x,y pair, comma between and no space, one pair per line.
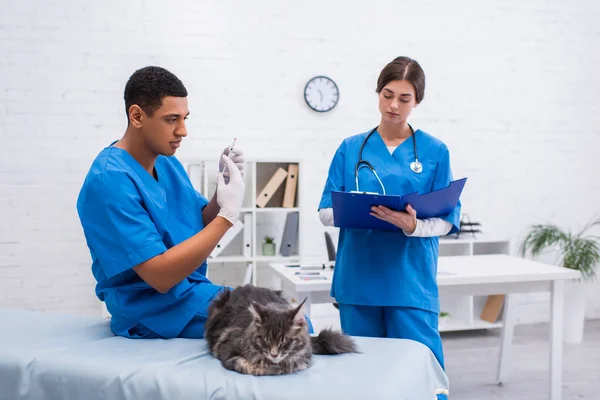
237,155
230,196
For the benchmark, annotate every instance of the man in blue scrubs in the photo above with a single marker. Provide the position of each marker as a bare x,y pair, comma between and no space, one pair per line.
148,230
384,281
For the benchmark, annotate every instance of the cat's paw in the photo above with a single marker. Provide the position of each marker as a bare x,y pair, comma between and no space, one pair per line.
243,366
298,367
301,366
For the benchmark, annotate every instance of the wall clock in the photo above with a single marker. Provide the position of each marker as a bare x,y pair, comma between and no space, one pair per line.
321,93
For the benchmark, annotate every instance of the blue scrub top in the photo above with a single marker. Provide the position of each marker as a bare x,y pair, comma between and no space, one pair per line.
129,217
380,268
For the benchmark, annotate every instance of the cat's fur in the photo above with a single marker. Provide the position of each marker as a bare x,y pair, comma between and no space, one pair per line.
254,330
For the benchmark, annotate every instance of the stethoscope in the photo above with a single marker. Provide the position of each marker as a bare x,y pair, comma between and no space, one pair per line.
415,166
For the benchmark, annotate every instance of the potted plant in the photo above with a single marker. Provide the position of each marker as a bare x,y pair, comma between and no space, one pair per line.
268,247
443,318
579,251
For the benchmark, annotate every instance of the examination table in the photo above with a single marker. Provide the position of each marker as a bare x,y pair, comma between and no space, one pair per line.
67,357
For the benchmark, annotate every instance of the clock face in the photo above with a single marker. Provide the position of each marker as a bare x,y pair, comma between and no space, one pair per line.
321,93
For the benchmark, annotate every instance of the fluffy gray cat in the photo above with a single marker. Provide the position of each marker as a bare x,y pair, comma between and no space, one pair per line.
254,330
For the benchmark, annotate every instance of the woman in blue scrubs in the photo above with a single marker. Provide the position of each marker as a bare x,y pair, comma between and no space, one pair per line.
385,282
148,230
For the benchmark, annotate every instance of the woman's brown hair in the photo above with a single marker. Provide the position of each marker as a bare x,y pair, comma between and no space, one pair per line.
403,69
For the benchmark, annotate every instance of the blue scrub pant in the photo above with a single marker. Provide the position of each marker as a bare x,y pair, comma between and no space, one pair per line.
394,322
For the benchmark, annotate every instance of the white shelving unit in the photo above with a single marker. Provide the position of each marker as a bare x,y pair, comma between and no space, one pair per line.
241,260
465,311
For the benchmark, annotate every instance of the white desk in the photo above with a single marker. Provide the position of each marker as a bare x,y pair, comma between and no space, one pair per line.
476,275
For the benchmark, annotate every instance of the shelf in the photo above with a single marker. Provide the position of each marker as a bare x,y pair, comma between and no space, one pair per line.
242,259
481,239
239,255
276,209
465,310
229,259
294,258
446,324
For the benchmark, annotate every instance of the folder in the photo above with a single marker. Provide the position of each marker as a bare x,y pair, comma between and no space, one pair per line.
492,308
289,239
247,251
271,187
352,210
248,274
289,196
227,238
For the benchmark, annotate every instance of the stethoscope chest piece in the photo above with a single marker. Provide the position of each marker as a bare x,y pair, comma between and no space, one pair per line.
416,167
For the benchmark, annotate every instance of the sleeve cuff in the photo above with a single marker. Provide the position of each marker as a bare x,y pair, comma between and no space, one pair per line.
134,258
326,216
431,227
418,229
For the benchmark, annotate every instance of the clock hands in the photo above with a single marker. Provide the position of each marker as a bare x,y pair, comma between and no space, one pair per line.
327,91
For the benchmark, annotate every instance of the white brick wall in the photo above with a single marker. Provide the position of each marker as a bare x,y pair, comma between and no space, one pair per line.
511,89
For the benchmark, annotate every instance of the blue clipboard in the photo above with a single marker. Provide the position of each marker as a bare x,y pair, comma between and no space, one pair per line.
352,210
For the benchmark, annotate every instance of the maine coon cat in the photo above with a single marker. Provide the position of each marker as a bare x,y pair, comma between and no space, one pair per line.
254,330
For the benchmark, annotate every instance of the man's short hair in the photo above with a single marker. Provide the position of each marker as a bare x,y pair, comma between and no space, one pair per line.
148,86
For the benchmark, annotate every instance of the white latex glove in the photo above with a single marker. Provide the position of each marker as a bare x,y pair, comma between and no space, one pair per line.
237,155
230,196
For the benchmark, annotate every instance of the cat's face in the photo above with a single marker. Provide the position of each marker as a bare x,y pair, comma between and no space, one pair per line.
278,333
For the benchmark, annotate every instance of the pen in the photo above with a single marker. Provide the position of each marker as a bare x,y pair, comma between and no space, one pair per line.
307,273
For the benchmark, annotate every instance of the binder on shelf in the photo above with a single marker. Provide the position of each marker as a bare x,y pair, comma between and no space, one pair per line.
227,238
247,251
248,274
352,209
492,308
289,239
271,187
289,195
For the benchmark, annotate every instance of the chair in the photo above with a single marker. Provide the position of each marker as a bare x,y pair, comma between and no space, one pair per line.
331,253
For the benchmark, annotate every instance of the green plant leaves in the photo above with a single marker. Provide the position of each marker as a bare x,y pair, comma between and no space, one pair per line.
578,252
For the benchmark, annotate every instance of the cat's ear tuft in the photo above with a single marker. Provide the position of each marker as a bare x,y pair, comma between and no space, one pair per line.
298,316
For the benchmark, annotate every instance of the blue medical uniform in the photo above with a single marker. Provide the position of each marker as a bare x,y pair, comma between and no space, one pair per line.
385,282
129,217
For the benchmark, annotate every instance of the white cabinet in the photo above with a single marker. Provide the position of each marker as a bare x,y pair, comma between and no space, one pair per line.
464,311
239,257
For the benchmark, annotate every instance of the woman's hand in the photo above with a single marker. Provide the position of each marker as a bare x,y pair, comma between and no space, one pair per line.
407,221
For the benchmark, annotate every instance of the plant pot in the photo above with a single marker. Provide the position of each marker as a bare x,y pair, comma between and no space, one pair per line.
268,249
574,312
